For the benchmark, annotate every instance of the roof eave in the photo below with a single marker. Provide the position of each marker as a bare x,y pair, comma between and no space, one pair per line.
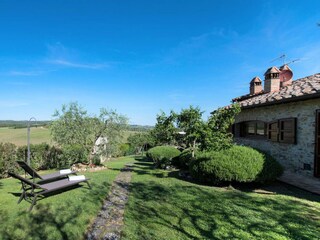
286,100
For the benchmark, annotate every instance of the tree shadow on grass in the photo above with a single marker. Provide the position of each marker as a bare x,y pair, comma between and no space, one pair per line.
147,168
272,188
142,159
59,219
44,222
143,166
279,188
222,212
1,184
197,212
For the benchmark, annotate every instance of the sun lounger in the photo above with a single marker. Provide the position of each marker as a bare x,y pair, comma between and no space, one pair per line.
48,177
32,190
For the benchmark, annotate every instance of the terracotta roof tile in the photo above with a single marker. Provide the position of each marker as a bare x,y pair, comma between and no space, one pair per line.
272,70
299,88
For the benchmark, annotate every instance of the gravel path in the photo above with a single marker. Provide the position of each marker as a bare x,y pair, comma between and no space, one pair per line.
109,221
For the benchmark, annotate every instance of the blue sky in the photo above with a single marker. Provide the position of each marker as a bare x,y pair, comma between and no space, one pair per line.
140,57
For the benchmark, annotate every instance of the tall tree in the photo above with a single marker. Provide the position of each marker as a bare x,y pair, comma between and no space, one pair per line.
165,130
73,126
190,121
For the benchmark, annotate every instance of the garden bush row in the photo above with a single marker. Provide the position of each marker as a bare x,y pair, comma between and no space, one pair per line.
235,164
43,156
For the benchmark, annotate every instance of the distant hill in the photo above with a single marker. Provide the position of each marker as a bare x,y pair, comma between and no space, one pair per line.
140,128
22,124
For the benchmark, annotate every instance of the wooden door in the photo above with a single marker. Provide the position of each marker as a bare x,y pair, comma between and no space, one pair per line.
317,150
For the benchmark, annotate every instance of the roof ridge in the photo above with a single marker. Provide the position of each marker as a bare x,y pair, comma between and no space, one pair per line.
302,87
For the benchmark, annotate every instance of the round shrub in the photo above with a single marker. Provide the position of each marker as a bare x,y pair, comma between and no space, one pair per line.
162,155
183,160
238,163
271,169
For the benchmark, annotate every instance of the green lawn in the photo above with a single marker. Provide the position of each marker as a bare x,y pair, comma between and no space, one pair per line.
62,216
163,207
19,136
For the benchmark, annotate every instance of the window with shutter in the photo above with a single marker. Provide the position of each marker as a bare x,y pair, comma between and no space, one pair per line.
283,130
273,131
251,129
287,130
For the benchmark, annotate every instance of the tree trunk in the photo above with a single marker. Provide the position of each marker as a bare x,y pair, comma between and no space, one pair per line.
193,148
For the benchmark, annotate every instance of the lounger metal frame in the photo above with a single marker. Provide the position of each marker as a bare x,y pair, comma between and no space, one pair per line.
44,178
29,188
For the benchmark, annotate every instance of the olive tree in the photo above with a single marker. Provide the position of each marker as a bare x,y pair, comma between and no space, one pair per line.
74,126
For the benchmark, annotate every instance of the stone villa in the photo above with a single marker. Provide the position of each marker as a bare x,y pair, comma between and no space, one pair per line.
283,119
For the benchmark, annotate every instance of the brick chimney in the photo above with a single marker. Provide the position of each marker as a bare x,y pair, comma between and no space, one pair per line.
272,80
286,75
255,86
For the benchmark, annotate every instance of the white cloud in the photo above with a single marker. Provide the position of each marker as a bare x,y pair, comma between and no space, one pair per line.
71,64
60,55
25,73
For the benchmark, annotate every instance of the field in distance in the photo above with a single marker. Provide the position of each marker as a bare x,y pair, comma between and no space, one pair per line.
38,135
18,136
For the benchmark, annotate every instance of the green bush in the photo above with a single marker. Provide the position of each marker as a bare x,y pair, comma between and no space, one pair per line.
54,158
42,156
162,155
126,149
74,154
7,158
238,163
96,160
183,160
271,169
38,155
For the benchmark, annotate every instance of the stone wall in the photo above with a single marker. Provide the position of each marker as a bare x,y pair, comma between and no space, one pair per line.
291,156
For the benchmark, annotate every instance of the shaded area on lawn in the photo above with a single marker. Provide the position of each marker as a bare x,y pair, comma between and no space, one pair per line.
37,224
55,218
164,207
64,215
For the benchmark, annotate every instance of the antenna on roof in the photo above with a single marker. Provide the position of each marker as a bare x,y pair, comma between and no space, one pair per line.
295,60
283,57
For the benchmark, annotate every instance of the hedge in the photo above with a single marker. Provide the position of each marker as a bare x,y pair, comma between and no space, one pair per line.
236,164
43,156
7,158
183,160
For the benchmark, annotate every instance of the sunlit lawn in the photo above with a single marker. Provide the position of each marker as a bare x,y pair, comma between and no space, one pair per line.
19,136
163,207
62,216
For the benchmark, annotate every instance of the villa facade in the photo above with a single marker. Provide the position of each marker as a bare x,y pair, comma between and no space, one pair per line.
283,119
